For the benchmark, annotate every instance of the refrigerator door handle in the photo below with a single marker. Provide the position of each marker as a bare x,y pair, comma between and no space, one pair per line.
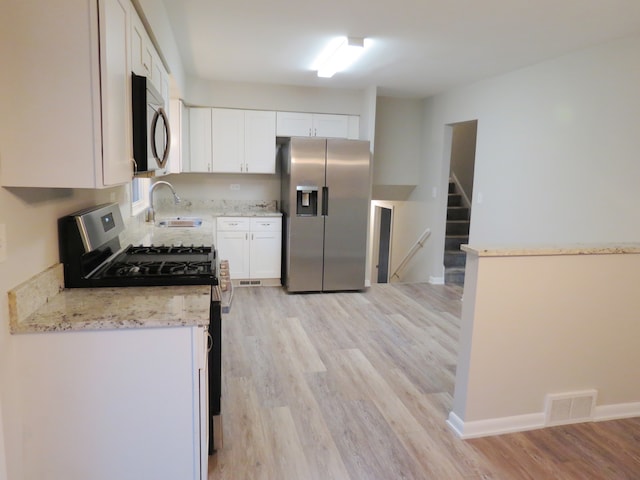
325,201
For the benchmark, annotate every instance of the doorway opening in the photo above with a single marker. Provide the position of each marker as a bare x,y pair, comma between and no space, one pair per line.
462,157
383,223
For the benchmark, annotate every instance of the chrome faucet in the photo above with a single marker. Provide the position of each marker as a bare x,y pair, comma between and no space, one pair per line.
151,213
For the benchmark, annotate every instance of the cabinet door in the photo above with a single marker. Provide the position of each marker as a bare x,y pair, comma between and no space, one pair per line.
293,124
234,246
228,140
199,140
325,125
259,142
140,47
266,247
117,162
265,254
158,74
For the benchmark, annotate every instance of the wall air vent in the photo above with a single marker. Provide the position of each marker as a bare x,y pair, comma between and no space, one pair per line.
570,407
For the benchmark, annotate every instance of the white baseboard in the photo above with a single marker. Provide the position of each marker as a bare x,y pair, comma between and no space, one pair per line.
495,426
367,283
436,280
617,411
531,421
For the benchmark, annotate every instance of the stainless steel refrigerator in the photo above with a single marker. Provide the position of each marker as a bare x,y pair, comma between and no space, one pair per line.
325,205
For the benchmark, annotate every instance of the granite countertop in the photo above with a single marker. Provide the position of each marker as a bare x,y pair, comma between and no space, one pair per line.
42,304
548,250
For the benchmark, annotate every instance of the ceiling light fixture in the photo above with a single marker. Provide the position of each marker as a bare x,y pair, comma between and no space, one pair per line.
339,55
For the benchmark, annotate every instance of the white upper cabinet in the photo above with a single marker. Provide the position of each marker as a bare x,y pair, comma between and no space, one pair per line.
296,124
74,130
325,125
259,141
224,140
228,140
141,48
200,144
244,141
145,60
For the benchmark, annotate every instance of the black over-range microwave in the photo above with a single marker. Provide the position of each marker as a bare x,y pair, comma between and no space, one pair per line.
151,134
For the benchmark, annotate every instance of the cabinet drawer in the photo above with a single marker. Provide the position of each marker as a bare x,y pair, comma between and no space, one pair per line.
266,224
232,224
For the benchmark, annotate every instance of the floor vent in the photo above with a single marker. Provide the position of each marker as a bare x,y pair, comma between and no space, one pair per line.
249,283
571,407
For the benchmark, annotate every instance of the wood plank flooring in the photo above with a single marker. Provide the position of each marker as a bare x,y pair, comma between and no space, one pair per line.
359,385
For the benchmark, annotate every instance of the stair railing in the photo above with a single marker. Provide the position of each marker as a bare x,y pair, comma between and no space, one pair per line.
412,251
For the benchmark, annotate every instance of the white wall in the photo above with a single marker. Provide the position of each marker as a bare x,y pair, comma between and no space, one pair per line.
399,127
216,186
556,154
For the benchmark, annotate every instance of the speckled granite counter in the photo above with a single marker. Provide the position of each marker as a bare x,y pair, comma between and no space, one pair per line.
549,250
42,304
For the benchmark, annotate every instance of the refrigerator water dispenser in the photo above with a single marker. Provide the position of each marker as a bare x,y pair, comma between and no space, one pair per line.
307,201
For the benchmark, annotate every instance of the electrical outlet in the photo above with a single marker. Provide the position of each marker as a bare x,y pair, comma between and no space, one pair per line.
234,186
3,243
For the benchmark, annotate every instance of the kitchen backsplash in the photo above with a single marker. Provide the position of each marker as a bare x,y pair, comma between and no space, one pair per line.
214,207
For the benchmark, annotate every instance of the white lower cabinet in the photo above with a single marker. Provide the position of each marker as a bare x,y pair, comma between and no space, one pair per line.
252,245
113,404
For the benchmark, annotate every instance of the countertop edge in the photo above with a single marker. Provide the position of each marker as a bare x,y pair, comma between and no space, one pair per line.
550,250
33,309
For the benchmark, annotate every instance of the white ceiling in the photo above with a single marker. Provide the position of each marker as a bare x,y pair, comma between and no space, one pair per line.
419,47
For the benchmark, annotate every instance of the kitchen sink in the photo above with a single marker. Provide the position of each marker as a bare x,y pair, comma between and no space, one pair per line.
179,222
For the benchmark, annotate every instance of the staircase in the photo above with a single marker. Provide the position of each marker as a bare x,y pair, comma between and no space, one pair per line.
457,233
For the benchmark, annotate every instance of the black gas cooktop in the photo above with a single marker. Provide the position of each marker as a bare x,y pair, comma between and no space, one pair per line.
158,265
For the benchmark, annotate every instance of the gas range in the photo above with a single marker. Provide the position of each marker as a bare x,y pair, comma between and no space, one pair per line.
92,257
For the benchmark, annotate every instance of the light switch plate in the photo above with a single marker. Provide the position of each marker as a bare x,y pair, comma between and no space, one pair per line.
3,242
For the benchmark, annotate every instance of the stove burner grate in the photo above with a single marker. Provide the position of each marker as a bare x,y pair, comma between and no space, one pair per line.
167,250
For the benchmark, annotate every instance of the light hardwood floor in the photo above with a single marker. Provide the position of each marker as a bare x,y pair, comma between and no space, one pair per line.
359,385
